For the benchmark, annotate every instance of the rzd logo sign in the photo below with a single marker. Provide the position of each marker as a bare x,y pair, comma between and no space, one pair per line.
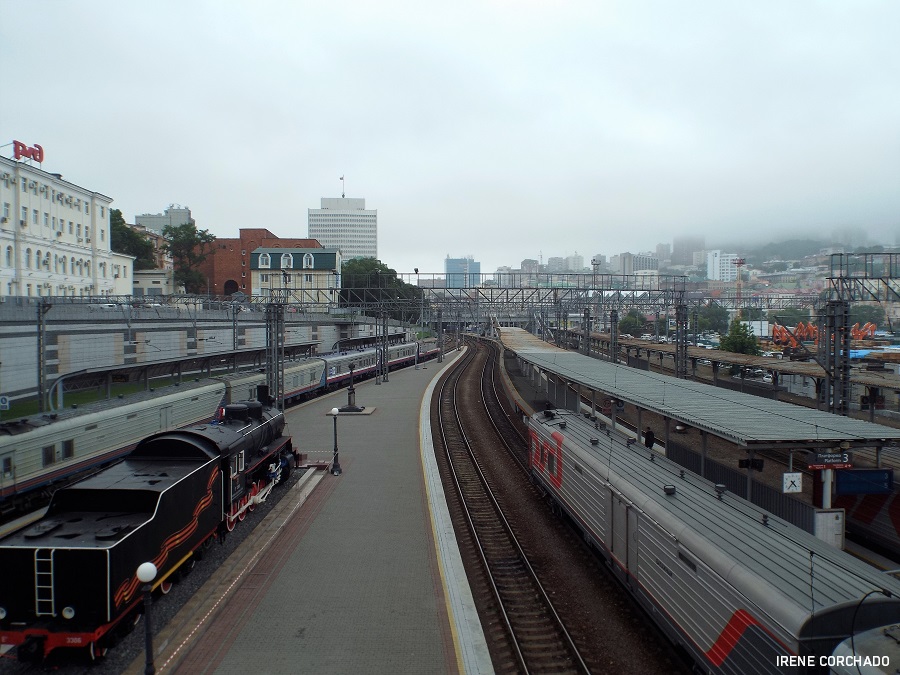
20,150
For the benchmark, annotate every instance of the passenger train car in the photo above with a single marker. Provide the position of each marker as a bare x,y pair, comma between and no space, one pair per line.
741,591
75,569
38,454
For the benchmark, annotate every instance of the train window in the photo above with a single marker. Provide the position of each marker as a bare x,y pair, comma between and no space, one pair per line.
49,452
241,460
234,466
131,416
7,467
551,463
68,449
90,427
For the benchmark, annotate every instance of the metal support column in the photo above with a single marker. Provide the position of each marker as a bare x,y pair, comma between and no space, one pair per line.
613,336
42,309
275,351
681,358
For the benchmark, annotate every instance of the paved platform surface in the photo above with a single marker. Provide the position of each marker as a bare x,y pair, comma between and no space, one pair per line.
360,574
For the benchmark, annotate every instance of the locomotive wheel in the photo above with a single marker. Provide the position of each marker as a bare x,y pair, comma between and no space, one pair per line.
286,470
165,587
96,651
186,568
243,511
203,548
253,492
231,521
129,623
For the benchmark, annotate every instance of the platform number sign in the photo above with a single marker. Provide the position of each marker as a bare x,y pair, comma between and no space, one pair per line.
4,402
793,482
831,460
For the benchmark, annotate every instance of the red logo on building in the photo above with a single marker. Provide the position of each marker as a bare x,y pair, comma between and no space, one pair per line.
21,150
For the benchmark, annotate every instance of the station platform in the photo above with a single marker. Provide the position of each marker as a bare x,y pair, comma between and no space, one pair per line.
359,572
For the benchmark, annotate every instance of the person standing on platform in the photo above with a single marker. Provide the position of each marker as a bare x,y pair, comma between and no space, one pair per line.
649,438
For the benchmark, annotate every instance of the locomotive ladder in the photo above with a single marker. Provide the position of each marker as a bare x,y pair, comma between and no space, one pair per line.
44,602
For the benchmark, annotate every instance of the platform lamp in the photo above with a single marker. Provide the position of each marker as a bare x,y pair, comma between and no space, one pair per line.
335,462
146,573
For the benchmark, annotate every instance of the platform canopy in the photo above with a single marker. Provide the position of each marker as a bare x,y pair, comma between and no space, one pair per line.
744,419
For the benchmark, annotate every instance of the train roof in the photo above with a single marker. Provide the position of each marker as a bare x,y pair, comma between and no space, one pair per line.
27,424
731,535
102,509
743,419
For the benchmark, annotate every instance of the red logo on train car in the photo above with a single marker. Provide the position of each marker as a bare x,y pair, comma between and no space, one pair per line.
547,457
20,151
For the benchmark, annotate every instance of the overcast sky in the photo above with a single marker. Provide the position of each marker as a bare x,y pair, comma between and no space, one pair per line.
499,129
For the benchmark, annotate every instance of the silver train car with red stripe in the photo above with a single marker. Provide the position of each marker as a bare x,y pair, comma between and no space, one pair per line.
70,579
741,591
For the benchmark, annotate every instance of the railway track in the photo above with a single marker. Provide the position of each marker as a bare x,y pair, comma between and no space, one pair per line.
524,629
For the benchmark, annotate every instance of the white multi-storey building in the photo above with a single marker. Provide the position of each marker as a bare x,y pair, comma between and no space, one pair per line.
345,223
720,266
54,235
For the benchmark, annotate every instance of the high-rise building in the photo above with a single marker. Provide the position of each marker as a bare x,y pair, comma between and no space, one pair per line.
556,264
663,252
174,216
632,263
575,263
462,272
345,223
720,266
683,249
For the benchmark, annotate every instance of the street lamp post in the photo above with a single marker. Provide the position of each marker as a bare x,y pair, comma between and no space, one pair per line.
335,463
146,573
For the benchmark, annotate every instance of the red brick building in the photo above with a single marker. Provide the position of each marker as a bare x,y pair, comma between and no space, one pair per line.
227,265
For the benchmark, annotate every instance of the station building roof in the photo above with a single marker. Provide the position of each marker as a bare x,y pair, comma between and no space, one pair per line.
744,419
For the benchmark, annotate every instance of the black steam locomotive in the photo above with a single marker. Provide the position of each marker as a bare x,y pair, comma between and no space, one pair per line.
70,579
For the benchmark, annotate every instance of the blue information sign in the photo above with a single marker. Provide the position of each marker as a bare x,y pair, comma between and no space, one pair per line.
864,481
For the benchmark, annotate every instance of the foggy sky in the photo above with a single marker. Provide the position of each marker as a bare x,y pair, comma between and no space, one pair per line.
499,129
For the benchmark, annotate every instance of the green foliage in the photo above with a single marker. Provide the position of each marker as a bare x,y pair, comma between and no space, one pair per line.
751,314
789,317
864,314
123,239
739,340
370,281
792,249
713,317
188,247
632,323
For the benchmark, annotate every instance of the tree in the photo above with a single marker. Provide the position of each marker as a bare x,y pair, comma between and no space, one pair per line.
123,239
863,314
751,314
370,281
632,323
715,316
188,247
790,316
740,340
